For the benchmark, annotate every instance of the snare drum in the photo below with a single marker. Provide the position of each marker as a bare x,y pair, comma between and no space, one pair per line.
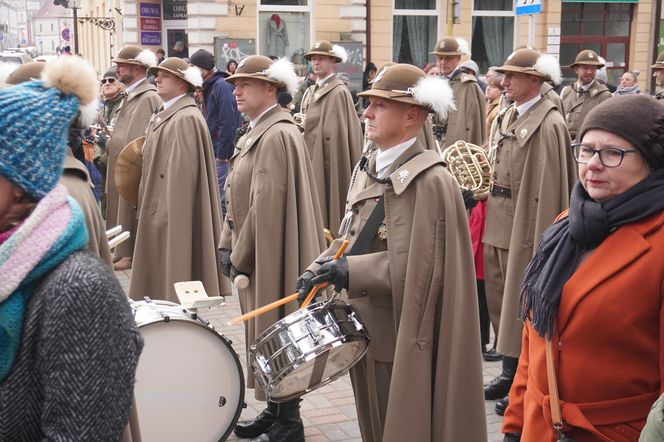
189,383
308,349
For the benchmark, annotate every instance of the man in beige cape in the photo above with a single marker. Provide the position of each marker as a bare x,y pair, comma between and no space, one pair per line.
533,174
179,222
584,94
332,131
412,281
129,123
273,228
468,121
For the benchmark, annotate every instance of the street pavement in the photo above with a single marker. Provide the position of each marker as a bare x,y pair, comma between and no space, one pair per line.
328,413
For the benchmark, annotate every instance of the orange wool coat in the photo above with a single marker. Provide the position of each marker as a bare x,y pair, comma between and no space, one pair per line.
608,350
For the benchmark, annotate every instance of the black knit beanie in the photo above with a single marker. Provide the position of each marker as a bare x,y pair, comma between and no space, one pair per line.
637,118
202,59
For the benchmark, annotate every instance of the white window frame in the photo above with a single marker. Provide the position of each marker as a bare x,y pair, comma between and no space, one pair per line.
277,8
494,13
418,12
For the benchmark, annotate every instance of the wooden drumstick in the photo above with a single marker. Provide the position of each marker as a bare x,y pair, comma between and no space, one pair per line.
266,308
241,281
317,287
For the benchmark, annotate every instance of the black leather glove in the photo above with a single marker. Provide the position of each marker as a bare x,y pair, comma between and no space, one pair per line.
303,285
233,272
468,200
225,262
333,272
512,437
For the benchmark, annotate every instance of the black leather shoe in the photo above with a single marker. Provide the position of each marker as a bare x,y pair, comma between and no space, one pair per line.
492,355
501,405
257,426
497,388
282,431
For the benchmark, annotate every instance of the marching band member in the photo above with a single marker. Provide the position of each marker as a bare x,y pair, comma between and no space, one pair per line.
593,290
273,227
580,97
332,131
409,274
130,122
532,178
178,202
467,121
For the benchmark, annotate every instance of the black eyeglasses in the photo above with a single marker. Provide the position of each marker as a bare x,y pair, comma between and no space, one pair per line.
110,80
609,156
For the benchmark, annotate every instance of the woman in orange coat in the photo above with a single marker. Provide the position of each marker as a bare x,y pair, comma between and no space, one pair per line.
595,287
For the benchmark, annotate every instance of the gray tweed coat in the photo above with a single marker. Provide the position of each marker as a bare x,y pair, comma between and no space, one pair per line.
74,374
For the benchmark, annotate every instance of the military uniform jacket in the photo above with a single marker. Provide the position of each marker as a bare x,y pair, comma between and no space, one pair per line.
273,224
179,221
577,105
547,91
467,123
76,179
130,122
415,292
333,137
536,164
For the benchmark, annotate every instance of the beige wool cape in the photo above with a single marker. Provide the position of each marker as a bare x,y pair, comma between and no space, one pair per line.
130,122
273,224
179,221
576,107
425,277
76,179
537,165
467,123
333,137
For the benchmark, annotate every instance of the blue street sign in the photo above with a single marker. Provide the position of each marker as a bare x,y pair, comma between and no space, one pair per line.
528,7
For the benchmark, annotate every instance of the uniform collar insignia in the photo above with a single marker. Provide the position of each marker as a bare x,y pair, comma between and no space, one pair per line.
403,175
523,133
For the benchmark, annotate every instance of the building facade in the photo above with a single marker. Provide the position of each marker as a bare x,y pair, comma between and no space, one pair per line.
624,32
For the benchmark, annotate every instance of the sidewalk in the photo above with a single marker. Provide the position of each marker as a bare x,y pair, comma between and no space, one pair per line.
329,412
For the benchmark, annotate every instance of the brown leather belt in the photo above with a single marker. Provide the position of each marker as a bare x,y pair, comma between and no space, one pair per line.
497,190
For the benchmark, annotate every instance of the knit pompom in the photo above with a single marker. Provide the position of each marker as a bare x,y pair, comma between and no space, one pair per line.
6,70
72,76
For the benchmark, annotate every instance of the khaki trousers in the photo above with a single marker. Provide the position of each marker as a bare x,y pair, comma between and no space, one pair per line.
371,386
495,269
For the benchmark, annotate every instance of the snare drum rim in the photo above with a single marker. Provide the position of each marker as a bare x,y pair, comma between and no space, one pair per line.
199,322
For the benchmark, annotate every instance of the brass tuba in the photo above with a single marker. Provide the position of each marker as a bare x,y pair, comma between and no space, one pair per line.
470,166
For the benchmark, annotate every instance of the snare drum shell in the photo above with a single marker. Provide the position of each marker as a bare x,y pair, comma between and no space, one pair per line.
308,349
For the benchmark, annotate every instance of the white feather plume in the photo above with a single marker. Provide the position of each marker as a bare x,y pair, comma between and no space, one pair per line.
193,75
6,70
283,70
548,65
147,57
88,114
463,46
436,93
340,51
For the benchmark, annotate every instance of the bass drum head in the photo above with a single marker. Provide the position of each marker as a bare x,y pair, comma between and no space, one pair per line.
189,383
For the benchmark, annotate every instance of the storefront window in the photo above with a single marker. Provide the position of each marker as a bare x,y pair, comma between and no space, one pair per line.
284,34
414,31
493,32
285,2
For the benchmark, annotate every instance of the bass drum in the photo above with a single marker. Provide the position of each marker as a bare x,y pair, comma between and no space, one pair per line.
189,382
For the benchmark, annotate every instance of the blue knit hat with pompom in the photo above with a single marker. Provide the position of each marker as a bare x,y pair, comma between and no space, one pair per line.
34,123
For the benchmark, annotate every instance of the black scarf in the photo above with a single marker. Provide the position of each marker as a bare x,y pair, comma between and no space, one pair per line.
562,244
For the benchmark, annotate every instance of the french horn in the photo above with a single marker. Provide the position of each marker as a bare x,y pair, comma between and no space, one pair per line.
470,167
